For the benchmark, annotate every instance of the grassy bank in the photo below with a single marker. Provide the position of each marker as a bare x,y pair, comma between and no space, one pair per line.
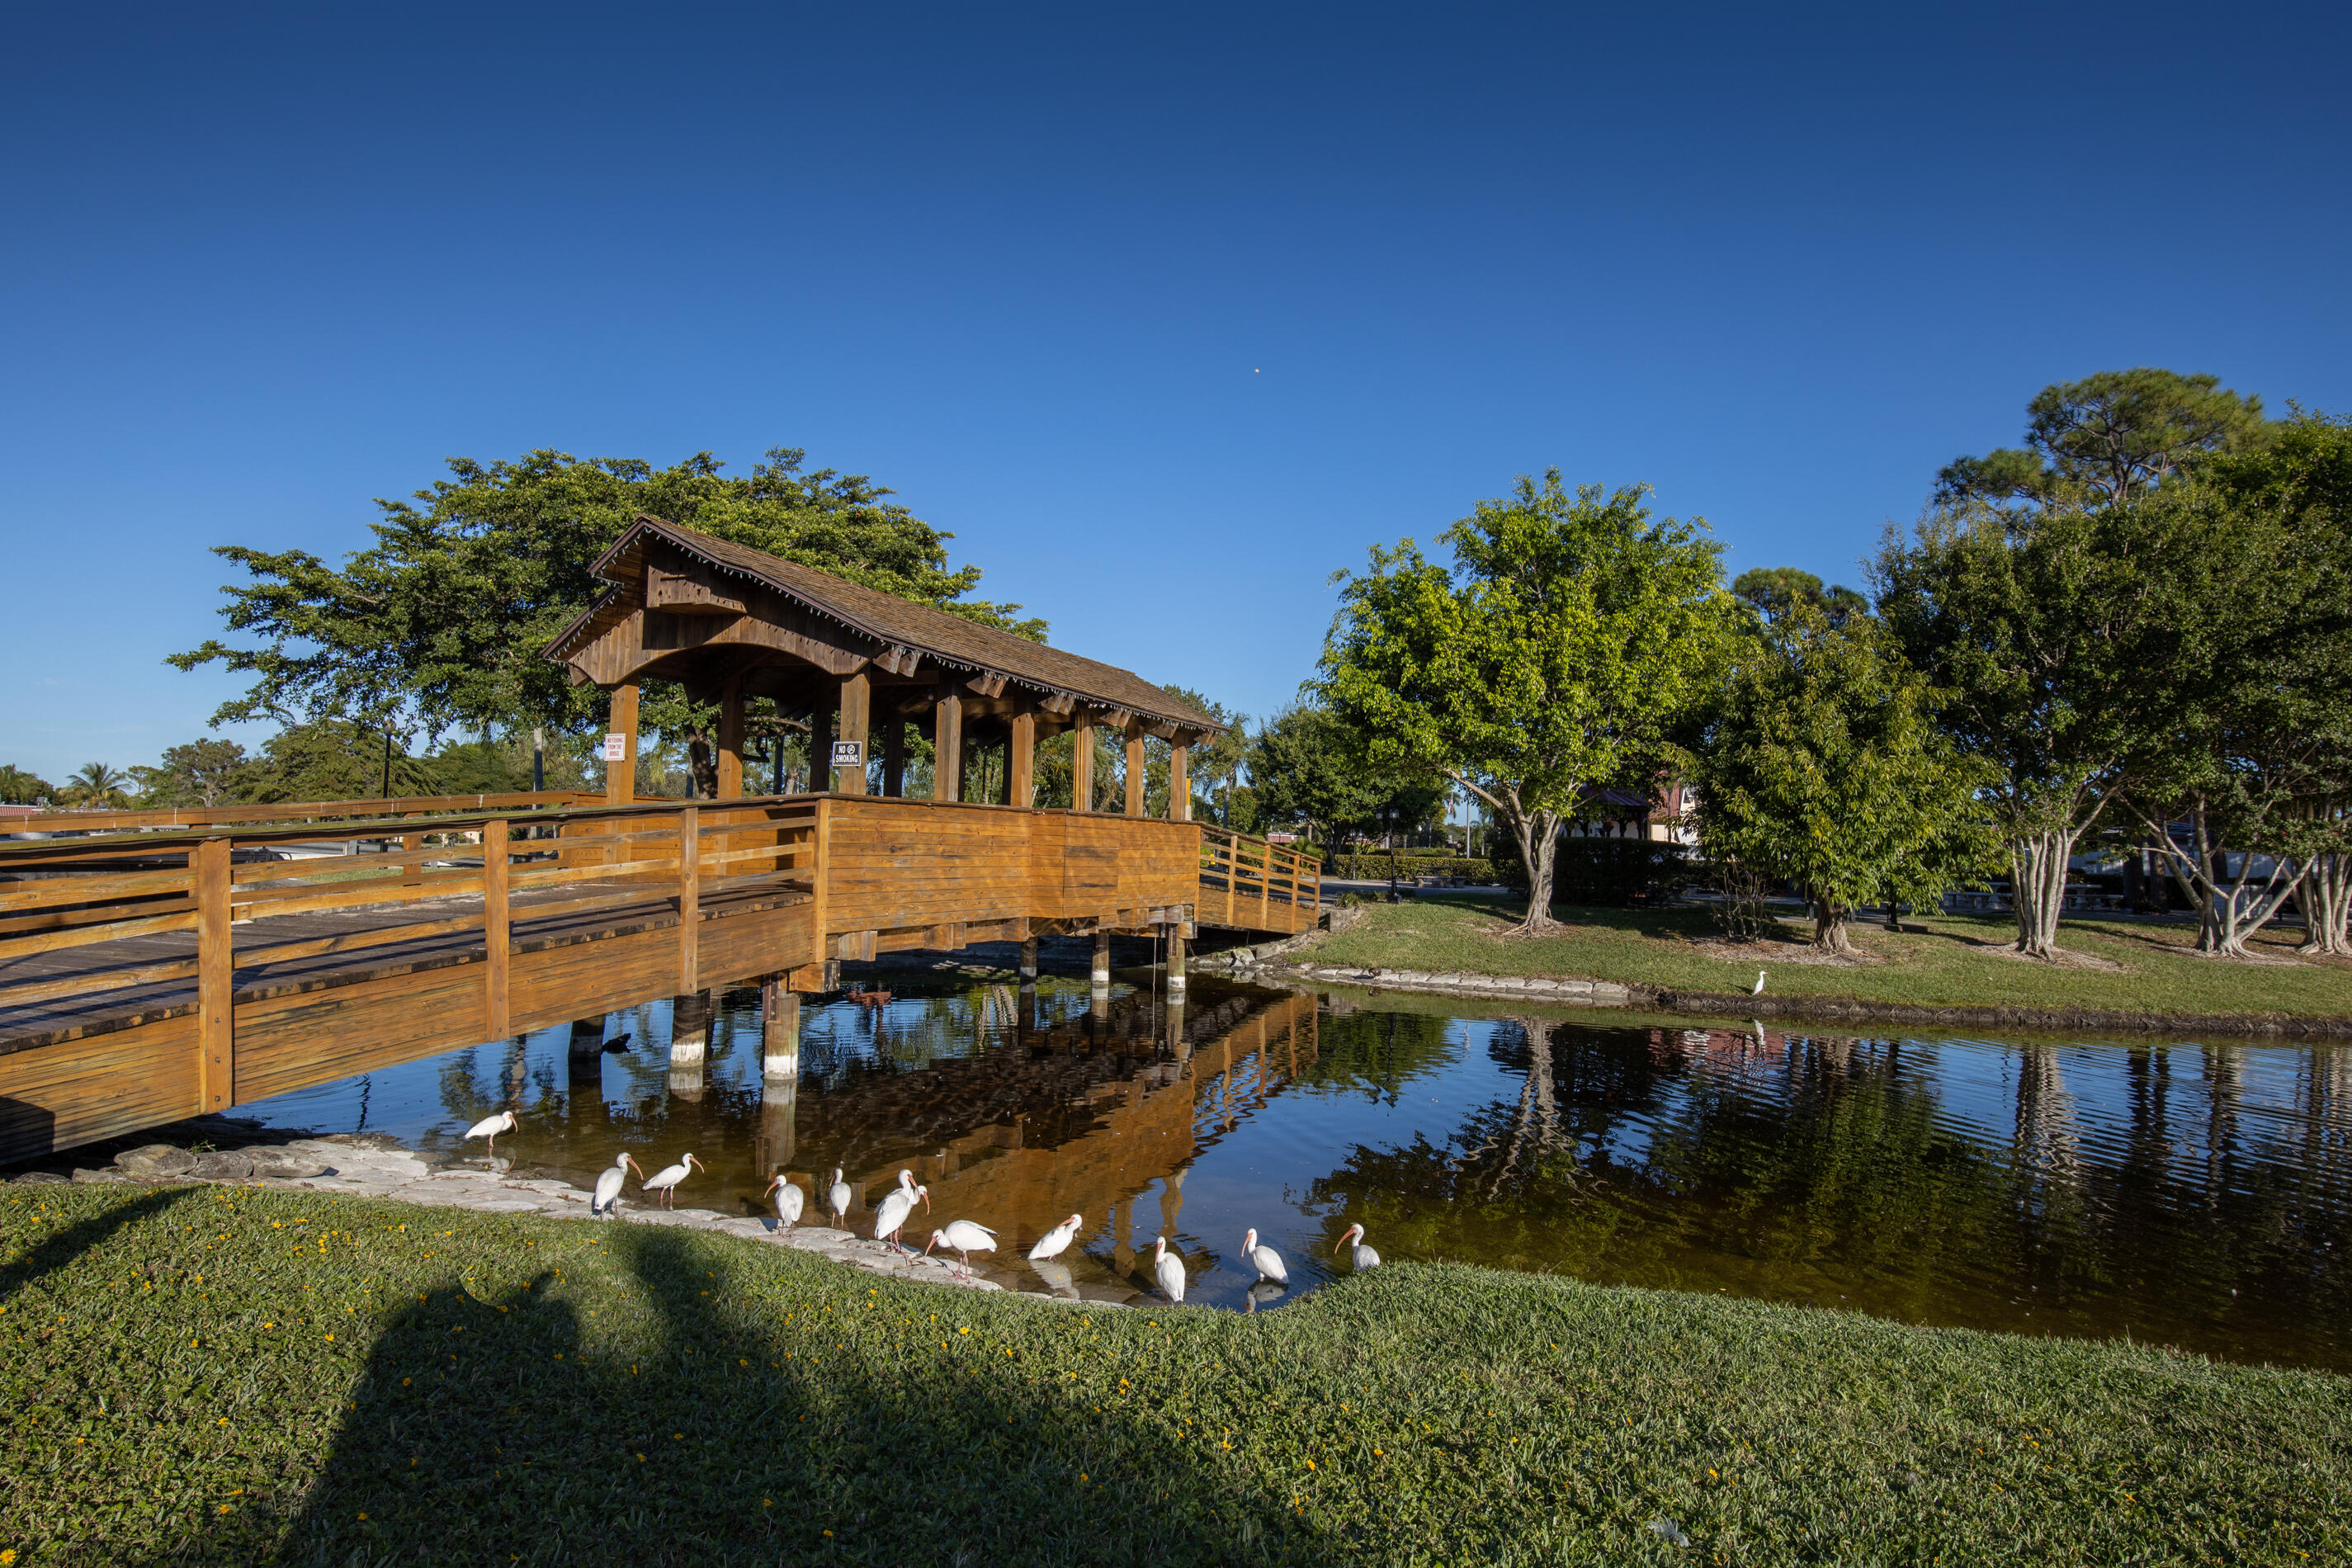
1953,960
217,1375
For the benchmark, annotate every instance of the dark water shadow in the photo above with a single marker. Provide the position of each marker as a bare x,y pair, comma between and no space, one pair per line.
66,1244
481,1432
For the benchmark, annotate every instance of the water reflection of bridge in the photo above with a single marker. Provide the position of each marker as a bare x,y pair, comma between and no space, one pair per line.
1080,1116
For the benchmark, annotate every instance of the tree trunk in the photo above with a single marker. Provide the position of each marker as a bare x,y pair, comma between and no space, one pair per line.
2326,896
2037,865
1829,933
1539,836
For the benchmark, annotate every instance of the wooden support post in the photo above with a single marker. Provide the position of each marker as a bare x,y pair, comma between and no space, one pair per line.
1029,962
621,774
857,700
731,739
1100,978
947,748
588,1037
1179,782
411,871
894,755
215,977
1020,765
690,1043
1082,763
1136,773
495,939
690,897
821,749
780,1031
1175,965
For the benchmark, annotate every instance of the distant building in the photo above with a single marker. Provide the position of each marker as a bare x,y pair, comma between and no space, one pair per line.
1627,814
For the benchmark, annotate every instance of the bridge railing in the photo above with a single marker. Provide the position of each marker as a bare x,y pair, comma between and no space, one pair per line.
1254,882
238,889
171,817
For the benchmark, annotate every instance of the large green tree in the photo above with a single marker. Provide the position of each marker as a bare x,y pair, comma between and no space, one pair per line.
202,771
440,625
1308,771
1774,591
2257,757
1823,763
1556,654
2107,438
20,786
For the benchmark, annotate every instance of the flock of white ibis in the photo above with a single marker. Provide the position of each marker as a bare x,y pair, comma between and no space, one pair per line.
961,1236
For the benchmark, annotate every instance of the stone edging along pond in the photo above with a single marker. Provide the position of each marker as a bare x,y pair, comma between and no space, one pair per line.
373,1166
1275,960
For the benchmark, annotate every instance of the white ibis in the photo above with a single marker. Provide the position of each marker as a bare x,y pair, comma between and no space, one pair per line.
1167,1271
1264,1259
608,1185
1759,991
891,1217
489,1127
788,1201
1365,1256
965,1237
836,1197
1056,1241
666,1180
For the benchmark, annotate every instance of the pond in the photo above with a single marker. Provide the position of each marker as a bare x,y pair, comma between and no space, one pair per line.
2188,1195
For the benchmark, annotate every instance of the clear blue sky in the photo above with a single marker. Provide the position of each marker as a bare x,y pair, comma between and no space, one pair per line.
1166,313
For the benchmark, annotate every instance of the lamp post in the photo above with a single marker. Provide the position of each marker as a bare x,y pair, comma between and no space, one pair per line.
1390,817
387,759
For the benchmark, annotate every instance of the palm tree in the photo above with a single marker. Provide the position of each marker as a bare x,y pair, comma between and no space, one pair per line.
95,784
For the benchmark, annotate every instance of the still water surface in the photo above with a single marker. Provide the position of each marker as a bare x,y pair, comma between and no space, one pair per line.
2190,1196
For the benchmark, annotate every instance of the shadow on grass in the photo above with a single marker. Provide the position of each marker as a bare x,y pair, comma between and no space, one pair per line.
62,1249
674,1430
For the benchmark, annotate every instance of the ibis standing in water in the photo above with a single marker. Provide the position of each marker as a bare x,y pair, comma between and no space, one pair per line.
891,1217
666,1180
1167,1271
788,1201
1056,1241
489,1127
965,1237
1264,1259
1365,1256
836,1197
608,1185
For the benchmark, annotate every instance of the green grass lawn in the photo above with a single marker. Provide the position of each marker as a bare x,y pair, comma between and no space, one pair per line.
1959,960
199,1374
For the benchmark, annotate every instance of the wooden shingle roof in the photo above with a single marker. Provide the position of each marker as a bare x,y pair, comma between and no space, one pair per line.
892,622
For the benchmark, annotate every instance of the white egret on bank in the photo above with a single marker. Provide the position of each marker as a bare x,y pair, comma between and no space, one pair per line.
666,1180
891,1217
1760,985
836,1197
966,1238
1365,1256
489,1127
1167,1271
1056,1241
788,1201
608,1185
1264,1259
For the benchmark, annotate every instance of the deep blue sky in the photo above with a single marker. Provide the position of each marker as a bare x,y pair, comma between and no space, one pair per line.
1165,314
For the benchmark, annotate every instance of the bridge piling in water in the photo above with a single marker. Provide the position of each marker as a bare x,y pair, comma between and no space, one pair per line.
780,1033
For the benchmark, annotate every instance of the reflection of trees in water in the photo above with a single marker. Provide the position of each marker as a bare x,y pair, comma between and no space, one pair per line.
1530,1141
1377,1054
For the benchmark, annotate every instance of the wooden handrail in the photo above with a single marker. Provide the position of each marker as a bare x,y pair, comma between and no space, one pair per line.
292,811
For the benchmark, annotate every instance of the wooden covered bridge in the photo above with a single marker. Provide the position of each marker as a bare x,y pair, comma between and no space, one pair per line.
157,964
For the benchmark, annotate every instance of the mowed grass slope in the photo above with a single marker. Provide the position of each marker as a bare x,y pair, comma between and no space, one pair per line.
1956,960
227,1376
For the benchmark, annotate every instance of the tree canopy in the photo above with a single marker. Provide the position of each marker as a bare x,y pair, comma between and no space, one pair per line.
1556,655
2107,438
442,622
1822,765
1775,591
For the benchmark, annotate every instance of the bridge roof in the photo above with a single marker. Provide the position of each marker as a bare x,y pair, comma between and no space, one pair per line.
889,621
